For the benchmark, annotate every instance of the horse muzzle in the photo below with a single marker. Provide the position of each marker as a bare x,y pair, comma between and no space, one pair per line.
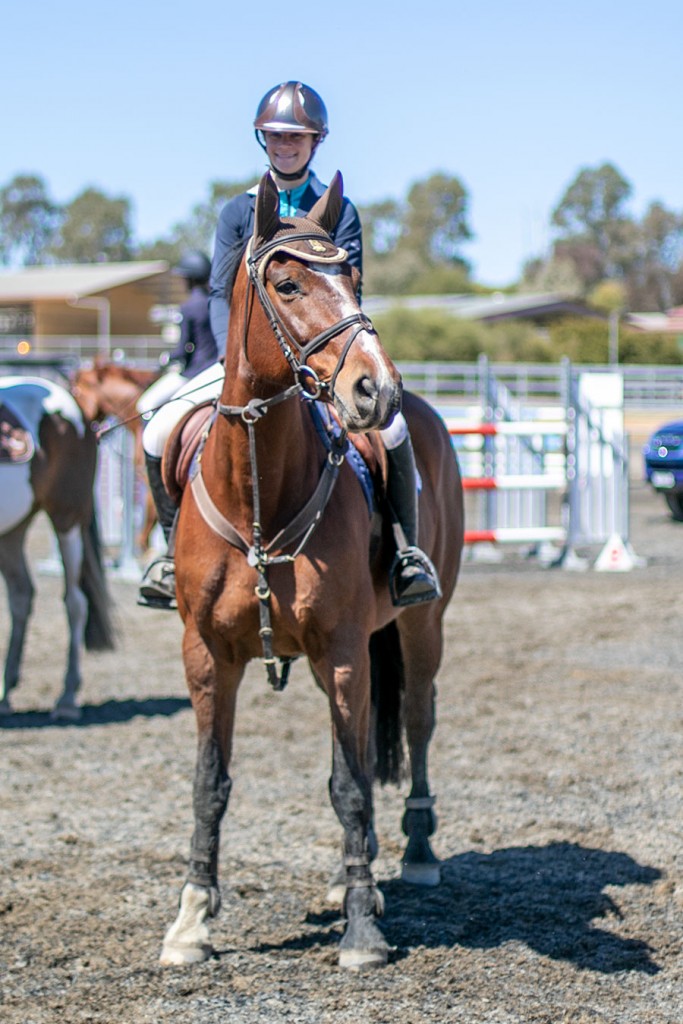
368,400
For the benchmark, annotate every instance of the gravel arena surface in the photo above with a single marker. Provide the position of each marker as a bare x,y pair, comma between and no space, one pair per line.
559,778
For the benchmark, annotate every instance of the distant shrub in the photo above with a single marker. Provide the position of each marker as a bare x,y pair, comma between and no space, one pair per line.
434,336
656,349
587,341
430,335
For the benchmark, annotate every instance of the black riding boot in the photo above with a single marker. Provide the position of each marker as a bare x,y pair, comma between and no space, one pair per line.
157,588
413,578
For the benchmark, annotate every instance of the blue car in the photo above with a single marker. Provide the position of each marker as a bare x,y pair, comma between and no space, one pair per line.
663,455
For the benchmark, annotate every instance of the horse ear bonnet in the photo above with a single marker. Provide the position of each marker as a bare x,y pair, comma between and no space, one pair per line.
305,238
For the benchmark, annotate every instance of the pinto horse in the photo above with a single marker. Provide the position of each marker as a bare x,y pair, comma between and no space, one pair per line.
51,469
112,390
278,558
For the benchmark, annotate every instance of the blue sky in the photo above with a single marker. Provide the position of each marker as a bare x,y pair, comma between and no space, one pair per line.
155,100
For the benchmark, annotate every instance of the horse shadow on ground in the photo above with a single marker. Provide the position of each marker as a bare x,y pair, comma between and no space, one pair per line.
111,712
547,897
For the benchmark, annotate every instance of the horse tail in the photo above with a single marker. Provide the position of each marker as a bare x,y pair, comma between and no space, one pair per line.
100,634
388,685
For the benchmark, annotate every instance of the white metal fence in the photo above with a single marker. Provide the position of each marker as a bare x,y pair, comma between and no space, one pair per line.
537,474
551,463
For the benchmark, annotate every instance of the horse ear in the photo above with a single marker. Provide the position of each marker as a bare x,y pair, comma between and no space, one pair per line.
326,210
267,211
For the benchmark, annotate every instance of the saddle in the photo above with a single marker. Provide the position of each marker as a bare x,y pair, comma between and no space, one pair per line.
365,454
16,443
183,446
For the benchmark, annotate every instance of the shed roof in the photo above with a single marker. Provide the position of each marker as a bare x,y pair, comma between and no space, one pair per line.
68,281
498,306
670,322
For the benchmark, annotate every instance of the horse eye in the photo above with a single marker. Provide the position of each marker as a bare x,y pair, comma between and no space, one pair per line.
287,288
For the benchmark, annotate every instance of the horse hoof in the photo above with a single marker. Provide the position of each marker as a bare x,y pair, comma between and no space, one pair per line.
428,875
5,707
358,958
176,955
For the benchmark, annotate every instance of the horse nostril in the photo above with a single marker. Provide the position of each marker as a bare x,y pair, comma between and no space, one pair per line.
366,390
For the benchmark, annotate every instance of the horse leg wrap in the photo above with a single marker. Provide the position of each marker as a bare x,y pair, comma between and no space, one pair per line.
202,872
420,866
419,817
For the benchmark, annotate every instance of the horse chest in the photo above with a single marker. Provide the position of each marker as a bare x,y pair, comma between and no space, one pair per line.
297,609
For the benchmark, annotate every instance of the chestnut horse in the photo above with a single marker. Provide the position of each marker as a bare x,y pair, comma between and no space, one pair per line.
53,472
277,557
112,390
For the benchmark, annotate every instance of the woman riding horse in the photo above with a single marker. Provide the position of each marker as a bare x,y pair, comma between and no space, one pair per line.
278,556
291,121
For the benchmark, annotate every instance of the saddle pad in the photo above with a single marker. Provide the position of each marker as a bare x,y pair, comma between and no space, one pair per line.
31,398
362,455
182,446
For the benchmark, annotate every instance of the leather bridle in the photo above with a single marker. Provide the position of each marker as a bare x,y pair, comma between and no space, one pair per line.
306,520
297,352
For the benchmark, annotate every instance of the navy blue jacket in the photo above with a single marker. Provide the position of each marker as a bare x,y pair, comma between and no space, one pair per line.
196,348
236,224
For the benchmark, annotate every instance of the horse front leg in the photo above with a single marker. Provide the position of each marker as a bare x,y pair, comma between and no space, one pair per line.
421,644
188,939
20,591
76,603
363,944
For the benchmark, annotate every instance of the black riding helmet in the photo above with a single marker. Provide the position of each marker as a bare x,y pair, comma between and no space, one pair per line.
291,107
194,266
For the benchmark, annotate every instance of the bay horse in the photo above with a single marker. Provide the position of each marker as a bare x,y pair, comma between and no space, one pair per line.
108,389
54,474
278,558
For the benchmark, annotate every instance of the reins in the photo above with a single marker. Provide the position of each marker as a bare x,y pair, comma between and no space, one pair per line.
101,432
259,554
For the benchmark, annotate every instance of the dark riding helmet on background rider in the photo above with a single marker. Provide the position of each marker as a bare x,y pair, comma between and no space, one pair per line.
193,266
291,107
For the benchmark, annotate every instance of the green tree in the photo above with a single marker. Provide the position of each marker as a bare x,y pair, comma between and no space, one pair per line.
558,274
415,245
197,231
435,220
28,220
94,229
600,241
593,208
658,252
382,226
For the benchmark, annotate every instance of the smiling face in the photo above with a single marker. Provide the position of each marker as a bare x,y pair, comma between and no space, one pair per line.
290,152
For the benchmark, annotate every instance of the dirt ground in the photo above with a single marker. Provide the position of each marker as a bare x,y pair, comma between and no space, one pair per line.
559,778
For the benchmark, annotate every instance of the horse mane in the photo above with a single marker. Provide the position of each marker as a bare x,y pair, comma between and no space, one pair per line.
142,378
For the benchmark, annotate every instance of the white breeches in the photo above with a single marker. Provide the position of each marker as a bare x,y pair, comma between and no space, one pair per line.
206,385
159,392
